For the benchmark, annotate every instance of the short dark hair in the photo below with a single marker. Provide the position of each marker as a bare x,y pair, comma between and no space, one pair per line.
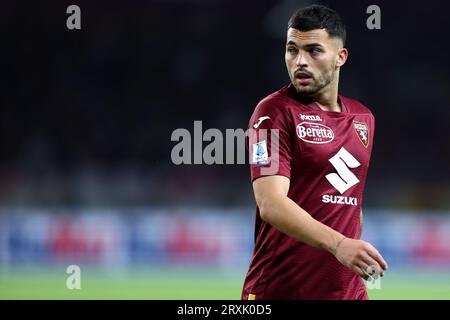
318,17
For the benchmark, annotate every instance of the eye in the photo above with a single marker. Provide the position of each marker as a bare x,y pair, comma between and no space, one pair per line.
292,50
315,50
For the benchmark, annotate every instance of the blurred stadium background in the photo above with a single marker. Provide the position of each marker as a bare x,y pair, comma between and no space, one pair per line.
86,119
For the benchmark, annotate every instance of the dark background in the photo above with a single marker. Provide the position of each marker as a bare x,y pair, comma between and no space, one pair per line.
87,115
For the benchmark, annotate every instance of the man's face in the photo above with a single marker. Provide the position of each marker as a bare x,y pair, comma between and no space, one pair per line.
312,58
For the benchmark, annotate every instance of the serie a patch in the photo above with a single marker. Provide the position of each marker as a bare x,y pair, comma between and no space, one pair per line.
260,155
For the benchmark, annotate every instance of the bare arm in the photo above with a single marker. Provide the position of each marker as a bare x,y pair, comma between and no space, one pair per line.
277,209
285,215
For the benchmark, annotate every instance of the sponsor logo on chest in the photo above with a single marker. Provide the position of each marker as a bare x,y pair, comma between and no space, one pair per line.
310,117
327,198
314,133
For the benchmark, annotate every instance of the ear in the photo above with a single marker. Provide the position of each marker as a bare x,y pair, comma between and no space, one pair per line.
341,57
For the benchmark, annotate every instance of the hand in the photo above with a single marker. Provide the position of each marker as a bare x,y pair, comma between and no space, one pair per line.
360,256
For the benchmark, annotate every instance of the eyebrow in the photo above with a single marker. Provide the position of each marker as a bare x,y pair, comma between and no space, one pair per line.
309,45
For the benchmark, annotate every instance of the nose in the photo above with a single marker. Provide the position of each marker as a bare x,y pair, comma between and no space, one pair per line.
301,60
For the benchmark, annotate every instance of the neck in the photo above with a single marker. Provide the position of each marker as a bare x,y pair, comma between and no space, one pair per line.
328,99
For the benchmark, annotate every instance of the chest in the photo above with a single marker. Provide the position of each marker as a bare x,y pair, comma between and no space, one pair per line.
322,139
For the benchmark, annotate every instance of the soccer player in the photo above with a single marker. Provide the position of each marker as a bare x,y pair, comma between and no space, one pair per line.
308,216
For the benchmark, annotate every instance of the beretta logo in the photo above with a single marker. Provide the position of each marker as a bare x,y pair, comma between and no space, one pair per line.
314,133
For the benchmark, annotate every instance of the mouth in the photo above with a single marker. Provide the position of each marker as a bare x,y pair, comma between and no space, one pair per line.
303,77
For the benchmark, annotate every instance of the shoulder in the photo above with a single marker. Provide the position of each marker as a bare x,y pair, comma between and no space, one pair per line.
354,106
275,103
273,107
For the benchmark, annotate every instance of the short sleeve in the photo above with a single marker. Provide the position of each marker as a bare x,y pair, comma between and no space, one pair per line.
268,140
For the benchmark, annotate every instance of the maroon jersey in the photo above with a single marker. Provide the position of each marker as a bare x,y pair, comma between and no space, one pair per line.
326,156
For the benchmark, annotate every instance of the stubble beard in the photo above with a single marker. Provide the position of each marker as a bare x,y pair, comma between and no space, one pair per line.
316,86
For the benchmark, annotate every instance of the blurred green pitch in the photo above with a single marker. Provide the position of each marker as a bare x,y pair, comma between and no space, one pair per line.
162,285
